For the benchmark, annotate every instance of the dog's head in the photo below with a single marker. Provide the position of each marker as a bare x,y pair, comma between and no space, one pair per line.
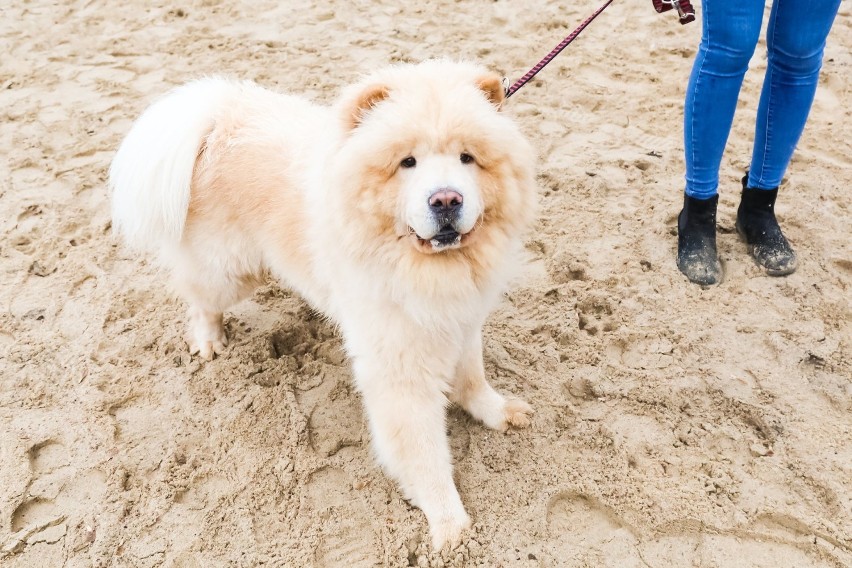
430,161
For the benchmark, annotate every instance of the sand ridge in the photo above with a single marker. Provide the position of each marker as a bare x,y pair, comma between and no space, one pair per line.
674,426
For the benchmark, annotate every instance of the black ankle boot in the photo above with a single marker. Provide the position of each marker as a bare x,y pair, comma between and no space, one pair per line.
696,241
756,223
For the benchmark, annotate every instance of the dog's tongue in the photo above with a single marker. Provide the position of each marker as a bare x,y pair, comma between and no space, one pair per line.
446,236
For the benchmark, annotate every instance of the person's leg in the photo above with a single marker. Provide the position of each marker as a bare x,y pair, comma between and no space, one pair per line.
730,31
729,35
795,40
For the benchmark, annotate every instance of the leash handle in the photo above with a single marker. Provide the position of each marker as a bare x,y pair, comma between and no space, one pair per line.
556,51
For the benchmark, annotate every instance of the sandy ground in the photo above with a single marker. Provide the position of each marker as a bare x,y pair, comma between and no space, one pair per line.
675,426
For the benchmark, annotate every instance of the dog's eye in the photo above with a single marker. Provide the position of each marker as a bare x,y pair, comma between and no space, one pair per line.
466,158
409,162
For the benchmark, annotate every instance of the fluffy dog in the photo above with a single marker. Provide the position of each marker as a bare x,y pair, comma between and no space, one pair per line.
398,212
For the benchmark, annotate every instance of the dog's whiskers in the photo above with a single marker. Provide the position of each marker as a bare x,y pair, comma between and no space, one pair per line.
479,221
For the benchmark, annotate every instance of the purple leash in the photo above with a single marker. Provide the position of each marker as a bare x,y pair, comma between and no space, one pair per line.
556,51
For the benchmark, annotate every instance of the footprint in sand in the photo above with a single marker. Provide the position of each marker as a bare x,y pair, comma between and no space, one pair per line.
346,534
565,267
335,423
586,533
335,416
759,546
36,512
40,511
843,264
56,492
47,456
595,314
641,351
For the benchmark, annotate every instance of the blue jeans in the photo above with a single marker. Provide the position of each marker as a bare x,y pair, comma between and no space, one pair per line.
795,40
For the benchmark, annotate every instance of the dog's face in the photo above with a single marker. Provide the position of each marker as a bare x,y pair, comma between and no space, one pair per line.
439,196
430,160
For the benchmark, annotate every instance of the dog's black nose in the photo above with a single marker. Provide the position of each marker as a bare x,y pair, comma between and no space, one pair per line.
445,201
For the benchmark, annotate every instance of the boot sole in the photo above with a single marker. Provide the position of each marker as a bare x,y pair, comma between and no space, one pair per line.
769,271
699,281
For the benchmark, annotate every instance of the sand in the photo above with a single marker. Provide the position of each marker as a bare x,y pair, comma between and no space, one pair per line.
675,426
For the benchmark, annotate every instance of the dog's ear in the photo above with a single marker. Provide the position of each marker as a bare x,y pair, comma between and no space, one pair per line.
492,86
362,102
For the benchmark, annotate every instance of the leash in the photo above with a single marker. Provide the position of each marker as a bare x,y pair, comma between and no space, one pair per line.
684,10
556,51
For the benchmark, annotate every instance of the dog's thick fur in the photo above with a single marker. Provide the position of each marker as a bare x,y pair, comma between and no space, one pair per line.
224,180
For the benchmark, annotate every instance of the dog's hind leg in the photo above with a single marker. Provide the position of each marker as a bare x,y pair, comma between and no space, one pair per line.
472,392
210,290
205,334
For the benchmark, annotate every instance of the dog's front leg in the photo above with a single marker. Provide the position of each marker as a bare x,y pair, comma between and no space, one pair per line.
407,421
472,392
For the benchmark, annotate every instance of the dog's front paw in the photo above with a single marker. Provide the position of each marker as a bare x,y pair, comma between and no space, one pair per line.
206,348
507,412
448,531
517,413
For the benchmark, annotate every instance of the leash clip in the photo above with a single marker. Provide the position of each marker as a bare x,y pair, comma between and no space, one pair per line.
684,9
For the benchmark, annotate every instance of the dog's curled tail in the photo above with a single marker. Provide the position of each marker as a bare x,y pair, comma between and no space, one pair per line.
151,174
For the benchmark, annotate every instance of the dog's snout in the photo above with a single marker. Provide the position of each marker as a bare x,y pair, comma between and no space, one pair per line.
445,200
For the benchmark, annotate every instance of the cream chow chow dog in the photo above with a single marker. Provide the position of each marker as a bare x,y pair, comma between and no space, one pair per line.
398,212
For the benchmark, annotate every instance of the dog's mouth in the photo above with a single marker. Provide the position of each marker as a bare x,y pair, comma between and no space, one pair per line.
448,238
